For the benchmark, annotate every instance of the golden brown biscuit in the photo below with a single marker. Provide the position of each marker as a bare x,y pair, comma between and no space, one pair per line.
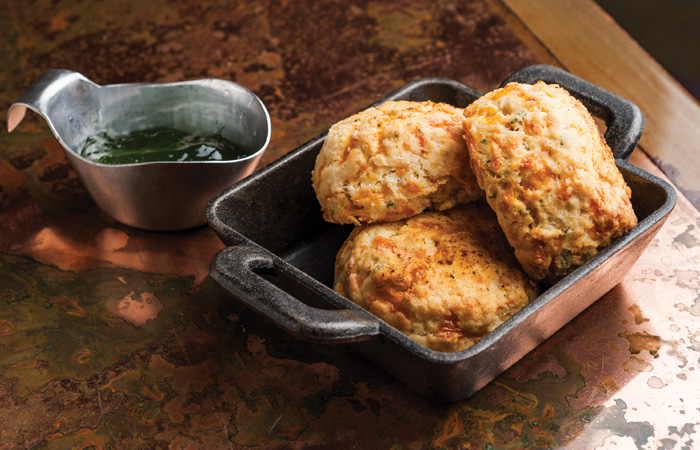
548,174
392,162
443,278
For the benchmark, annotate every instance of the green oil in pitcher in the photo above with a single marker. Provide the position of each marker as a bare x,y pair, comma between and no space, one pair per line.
159,144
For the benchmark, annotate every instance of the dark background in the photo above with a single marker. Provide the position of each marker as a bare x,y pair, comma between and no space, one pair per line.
668,30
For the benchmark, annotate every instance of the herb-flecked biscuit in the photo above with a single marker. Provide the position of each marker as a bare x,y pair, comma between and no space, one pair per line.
392,162
444,278
549,176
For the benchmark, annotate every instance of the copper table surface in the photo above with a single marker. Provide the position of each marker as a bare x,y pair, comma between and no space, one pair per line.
112,337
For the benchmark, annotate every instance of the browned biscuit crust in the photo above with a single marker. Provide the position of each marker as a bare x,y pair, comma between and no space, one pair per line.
443,278
549,176
392,162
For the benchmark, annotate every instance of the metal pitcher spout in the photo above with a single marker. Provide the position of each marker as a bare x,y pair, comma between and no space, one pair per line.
60,97
40,94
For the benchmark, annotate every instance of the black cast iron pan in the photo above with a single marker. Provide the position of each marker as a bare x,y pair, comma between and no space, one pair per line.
281,253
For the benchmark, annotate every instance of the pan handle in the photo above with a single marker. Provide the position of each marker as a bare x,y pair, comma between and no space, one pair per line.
238,269
624,120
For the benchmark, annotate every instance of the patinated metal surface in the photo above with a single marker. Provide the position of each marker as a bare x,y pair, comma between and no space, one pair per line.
112,337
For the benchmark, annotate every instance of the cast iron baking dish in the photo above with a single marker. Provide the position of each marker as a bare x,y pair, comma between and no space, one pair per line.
281,253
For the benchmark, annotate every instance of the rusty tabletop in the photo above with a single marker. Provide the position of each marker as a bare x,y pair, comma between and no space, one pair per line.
113,337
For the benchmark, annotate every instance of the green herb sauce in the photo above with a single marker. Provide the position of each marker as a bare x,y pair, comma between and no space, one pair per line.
159,144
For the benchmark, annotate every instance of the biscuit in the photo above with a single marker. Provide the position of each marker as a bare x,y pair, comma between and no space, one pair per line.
444,278
392,162
549,176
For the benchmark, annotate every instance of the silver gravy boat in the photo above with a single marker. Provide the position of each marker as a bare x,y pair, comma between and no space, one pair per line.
170,195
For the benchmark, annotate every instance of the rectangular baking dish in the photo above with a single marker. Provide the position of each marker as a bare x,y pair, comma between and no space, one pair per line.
281,253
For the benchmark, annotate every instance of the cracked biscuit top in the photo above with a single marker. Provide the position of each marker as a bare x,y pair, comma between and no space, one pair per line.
444,278
392,162
549,176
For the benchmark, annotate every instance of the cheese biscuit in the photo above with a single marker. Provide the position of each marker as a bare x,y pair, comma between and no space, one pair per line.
444,278
549,176
392,162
